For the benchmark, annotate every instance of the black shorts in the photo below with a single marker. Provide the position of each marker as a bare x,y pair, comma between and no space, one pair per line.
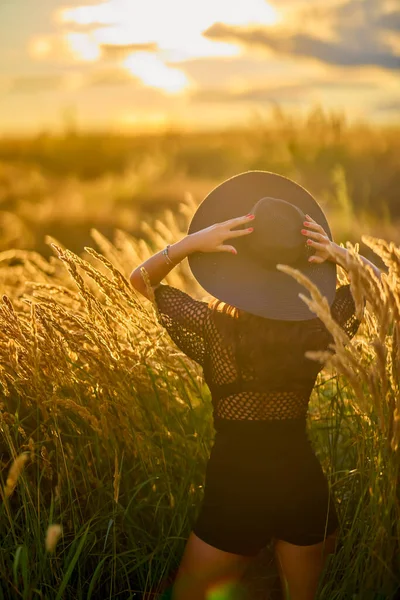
271,486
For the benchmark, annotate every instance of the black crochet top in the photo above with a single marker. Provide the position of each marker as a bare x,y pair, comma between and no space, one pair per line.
275,386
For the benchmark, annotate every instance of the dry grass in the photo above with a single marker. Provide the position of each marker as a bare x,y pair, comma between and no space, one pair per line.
114,417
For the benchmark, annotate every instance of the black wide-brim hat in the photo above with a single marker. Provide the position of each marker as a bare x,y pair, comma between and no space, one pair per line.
249,280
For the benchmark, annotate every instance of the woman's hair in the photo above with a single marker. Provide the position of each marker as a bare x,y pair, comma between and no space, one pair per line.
253,336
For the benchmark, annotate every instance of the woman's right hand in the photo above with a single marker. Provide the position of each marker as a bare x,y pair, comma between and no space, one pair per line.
212,238
318,239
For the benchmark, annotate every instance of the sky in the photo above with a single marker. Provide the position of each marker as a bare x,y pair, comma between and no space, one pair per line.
133,65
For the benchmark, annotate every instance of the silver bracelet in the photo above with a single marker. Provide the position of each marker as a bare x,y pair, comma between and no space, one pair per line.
165,252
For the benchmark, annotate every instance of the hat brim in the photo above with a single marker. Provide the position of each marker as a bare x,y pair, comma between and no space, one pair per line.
242,282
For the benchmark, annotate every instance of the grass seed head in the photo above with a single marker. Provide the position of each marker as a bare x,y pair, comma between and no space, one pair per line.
53,534
14,473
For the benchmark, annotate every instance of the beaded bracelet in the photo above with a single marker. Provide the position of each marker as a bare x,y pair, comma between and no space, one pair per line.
165,252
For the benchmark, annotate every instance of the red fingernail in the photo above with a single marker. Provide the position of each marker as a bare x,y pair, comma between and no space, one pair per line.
250,216
234,251
309,241
250,229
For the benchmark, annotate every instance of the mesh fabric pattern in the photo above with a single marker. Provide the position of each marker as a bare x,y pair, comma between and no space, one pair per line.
261,406
281,388
343,311
184,318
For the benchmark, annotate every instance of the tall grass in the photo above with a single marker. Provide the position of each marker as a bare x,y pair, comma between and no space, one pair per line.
64,185
114,424
364,451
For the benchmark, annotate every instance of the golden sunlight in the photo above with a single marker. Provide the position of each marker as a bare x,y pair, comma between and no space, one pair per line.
176,27
140,121
82,46
40,47
154,73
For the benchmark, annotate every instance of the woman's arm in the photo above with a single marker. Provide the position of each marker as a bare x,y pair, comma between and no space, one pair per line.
210,239
157,266
326,249
340,257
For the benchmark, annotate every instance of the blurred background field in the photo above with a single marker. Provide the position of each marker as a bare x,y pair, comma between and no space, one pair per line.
65,184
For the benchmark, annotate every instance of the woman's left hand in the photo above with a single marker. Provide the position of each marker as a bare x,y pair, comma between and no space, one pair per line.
324,247
211,239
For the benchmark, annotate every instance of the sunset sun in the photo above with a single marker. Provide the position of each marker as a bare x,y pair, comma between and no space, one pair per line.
175,29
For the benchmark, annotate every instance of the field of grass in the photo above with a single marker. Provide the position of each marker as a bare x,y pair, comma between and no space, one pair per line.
105,425
65,185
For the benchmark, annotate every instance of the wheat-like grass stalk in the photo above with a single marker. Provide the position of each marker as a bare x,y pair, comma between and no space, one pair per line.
53,534
116,479
14,473
371,366
149,287
109,251
317,303
28,257
74,407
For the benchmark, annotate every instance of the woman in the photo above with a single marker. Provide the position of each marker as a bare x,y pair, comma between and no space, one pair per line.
263,480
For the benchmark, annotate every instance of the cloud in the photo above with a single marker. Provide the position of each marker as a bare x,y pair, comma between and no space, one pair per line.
330,52
367,15
109,77
288,93
118,51
70,81
88,27
33,84
71,46
341,84
390,20
66,48
392,106
357,35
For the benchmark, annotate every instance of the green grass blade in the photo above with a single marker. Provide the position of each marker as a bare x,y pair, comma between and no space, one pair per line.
72,565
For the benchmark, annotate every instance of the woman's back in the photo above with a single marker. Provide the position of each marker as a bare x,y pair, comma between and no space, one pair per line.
256,368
